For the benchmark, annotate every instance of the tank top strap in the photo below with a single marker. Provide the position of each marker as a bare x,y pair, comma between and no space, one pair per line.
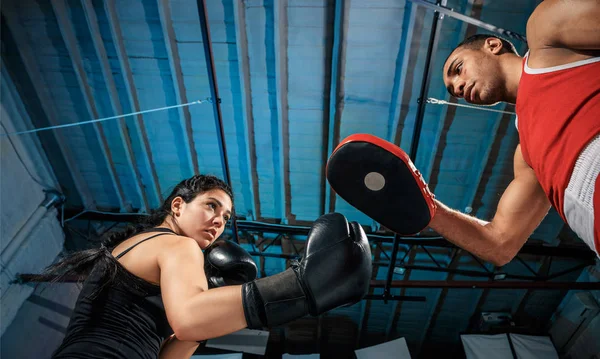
163,231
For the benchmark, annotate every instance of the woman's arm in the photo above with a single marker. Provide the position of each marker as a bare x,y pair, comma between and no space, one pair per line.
194,312
174,348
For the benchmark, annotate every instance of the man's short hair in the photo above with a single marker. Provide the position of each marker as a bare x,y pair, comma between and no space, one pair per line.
476,42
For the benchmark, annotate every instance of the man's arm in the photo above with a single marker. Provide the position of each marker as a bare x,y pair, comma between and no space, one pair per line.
572,24
521,209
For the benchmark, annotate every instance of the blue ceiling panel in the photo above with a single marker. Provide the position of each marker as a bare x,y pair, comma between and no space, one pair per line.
56,68
294,77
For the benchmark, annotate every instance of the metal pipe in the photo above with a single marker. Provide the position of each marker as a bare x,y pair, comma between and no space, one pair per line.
486,284
390,272
437,242
431,50
468,273
450,12
216,100
26,278
414,146
403,298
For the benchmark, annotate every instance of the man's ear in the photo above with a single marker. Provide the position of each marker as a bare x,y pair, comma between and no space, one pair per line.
494,45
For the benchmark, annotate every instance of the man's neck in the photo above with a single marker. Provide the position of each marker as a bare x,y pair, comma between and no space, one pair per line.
512,66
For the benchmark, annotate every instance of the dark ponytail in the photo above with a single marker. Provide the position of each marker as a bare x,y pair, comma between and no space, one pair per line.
79,264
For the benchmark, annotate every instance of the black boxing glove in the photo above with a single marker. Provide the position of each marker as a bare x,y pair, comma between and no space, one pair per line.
334,271
227,263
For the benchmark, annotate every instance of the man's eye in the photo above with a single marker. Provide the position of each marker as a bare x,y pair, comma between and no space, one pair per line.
212,205
459,68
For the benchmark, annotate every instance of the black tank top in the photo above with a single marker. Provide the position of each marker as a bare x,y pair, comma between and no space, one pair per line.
125,320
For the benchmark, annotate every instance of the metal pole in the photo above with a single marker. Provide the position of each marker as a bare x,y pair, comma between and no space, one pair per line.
431,49
216,100
403,298
449,12
390,272
437,242
491,285
29,278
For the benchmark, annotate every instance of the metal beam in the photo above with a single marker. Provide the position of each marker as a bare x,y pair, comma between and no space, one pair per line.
529,248
429,64
246,98
11,94
502,284
450,12
544,268
397,306
185,117
478,169
397,298
490,274
336,88
216,100
280,27
491,285
42,91
447,115
140,129
431,50
30,278
365,306
124,135
439,302
70,40
490,138
402,59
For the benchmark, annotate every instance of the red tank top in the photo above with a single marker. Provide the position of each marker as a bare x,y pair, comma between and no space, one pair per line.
558,113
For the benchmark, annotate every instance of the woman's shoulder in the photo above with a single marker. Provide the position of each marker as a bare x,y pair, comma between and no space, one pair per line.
164,240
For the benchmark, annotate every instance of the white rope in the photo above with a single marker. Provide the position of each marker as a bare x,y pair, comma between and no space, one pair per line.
435,101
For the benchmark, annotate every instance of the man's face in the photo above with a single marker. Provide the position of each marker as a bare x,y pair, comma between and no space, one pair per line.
474,75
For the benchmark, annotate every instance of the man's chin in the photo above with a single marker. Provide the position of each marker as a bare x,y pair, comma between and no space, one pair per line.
485,102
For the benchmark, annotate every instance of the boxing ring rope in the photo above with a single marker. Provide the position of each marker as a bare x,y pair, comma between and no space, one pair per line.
104,118
435,101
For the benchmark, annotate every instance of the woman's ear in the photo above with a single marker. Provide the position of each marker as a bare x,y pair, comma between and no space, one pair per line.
177,206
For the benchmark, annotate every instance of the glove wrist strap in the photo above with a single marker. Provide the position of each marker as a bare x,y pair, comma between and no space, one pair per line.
274,300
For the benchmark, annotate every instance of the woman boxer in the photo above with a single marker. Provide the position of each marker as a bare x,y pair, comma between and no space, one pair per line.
139,286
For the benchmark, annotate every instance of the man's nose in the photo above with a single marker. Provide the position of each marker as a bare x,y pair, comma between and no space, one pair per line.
459,88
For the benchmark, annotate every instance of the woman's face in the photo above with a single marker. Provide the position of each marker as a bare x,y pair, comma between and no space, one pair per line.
204,218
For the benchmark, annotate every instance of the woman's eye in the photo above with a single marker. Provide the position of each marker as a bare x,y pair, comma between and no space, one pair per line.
226,219
212,206
459,68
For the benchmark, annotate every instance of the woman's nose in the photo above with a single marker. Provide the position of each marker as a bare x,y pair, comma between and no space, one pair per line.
218,221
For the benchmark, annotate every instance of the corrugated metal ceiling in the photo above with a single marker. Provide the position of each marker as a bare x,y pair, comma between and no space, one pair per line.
294,77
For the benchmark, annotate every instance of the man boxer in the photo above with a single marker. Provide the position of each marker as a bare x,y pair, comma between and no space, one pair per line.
556,88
